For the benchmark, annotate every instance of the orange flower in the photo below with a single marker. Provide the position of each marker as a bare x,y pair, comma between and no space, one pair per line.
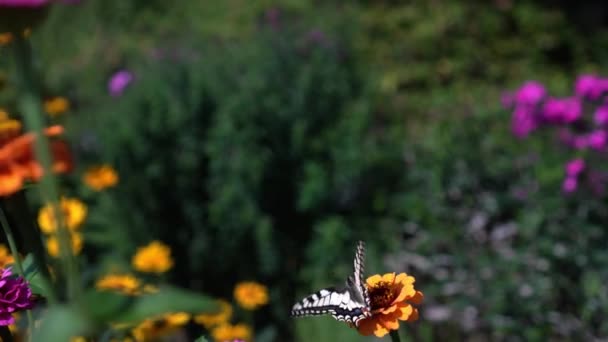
251,295
100,177
56,105
5,38
17,162
391,299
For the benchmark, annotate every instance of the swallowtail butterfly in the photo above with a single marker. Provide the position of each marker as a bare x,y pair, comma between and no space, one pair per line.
349,304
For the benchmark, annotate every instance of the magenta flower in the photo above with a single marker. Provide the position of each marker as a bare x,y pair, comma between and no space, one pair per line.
523,121
600,117
566,110
15,295
23,3
590,86
531,93
119,82
597,140
575,167
570,184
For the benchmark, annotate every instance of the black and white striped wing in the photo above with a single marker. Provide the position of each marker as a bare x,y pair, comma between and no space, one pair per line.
338,303
359,273
349,305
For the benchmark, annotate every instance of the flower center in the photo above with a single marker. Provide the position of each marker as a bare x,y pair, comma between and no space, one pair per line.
382,295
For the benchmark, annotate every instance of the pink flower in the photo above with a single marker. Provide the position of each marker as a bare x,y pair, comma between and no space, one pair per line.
119,82
23,3
15,295
590,86
531,93
566,110
575,167
523,121
597,140
570,184
600,117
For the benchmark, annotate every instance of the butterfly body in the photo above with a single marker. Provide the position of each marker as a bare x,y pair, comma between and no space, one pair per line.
349,304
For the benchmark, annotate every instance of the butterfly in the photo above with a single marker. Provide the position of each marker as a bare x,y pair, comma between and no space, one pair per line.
349,304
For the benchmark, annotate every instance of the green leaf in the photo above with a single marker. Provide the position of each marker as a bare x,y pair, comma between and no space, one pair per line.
201,339
60,323
38,282
105,305
168,299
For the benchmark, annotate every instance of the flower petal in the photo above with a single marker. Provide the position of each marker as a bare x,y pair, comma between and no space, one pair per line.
417,298
405,311
414,316
390,321
388,310
406,291
389,277
404,279
373,280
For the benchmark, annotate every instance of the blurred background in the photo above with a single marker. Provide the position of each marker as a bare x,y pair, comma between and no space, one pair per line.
262,139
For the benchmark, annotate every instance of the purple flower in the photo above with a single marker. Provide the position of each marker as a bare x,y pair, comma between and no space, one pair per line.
600,117
597,139
575,167
523,121
590,86
531,93
119,82
566,110
15,295
570,184
23,3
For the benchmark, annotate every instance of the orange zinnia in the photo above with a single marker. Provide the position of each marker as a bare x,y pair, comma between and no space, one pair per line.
17,162
391,298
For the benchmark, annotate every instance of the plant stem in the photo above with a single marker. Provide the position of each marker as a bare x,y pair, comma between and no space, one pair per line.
31,107
15,252
395,336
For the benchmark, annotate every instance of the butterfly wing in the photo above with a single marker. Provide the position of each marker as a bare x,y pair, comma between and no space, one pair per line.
359,273
349,305
332,301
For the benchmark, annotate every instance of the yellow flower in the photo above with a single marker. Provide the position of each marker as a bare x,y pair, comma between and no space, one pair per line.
5,257
78,339
5,38
152,329
52,244
153,258
100,177
123,283
391,299
56,105
229,332
73,210
209,320
8,127
251,295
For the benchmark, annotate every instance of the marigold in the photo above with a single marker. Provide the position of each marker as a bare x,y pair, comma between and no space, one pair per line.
229,332
391,299
152,329
123,283
153,258
74,213
52,244
56,105
209,320
251,295
17,162
100,177
5,257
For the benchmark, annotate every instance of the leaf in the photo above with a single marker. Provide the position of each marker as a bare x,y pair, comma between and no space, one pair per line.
167,299
105,305
201,339
37,281
61,323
